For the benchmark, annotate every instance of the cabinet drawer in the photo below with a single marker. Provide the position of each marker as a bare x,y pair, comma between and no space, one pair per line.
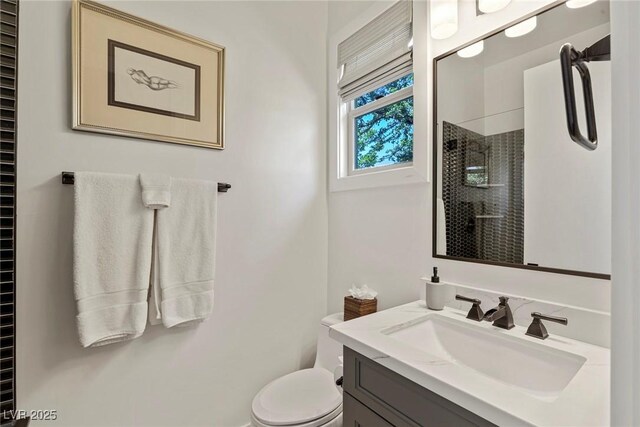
358,415
400,401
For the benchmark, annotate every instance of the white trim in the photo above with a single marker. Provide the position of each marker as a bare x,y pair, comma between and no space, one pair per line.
406,92
383,168
418,171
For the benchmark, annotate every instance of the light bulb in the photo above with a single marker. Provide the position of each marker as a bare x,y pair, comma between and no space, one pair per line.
444,18
490,6
473,50
525,27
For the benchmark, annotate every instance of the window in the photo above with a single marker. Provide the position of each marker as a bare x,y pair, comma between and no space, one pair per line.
381,126
374,139
376,91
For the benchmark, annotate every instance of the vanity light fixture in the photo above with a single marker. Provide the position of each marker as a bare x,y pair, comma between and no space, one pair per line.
575,4
473,50
490,6
525,27
444,18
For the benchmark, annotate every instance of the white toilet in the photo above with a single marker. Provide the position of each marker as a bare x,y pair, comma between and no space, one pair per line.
306,398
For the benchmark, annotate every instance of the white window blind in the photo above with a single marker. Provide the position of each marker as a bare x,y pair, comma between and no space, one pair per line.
378,52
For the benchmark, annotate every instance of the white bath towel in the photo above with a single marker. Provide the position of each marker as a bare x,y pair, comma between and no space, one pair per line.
111,256
156,190
186,237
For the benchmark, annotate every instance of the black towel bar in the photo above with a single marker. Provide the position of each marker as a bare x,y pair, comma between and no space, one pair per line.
69,178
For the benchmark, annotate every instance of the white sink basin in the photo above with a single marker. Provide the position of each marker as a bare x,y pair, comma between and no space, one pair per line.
536,369
503,376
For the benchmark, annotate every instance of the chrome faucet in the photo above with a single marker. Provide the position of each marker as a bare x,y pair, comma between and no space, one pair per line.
501,316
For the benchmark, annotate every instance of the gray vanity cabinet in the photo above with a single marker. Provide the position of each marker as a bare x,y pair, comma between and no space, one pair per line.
357,415
375,396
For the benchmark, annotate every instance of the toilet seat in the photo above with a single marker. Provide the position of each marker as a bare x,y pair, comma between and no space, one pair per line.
334,419
308,397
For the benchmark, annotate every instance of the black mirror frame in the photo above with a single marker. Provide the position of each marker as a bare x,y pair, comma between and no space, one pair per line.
434,154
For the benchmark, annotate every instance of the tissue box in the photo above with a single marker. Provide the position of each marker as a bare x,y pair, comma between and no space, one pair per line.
354,307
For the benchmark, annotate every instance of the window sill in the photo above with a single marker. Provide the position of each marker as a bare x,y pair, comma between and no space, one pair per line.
382,178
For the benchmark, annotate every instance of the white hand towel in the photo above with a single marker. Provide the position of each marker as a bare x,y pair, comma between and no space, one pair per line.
156,194
155,317
111,256
186,237
156,190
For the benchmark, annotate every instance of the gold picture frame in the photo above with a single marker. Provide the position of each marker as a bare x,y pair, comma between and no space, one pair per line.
136,78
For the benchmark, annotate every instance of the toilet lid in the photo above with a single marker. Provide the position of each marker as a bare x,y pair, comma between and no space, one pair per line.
297,398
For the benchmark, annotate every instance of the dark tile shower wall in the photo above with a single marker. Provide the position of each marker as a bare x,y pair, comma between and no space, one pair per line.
459,204
499,236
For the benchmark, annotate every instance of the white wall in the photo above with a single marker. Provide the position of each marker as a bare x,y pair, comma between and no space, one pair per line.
272,239
395,245
461,88
376,237
625,350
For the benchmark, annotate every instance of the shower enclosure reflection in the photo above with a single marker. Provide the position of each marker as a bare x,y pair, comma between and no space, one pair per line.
512,188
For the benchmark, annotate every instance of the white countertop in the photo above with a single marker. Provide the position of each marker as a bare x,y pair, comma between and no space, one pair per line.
584,401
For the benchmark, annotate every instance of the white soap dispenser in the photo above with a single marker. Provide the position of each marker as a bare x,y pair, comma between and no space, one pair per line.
436,292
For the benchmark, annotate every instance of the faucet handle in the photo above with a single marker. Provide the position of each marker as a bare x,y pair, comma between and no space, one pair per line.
561,320
537,328
476,312
503,300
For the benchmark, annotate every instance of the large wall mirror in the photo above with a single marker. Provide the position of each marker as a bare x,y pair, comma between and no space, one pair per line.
511,186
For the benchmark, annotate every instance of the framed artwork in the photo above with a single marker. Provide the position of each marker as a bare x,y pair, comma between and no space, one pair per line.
135,78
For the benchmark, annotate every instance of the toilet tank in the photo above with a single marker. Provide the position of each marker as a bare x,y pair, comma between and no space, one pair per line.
328,349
